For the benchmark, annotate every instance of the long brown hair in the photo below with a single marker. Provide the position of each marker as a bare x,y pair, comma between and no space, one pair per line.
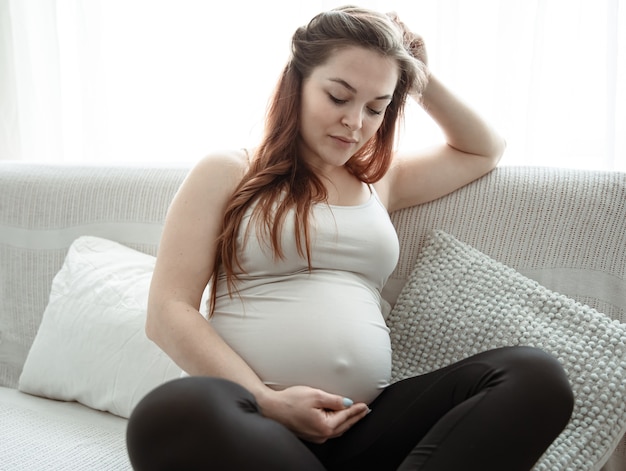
278,180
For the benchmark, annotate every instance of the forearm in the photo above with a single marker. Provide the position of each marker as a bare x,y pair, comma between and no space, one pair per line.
198,349
195,346
464,129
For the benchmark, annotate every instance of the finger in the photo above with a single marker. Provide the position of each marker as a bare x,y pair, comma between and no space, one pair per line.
333,402
335,423
348,421
351,415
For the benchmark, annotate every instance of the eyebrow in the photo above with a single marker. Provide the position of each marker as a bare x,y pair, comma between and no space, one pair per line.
353,90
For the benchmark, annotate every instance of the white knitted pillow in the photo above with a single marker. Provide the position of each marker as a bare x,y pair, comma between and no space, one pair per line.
458,302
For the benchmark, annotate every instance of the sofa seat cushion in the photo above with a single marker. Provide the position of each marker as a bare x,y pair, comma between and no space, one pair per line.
40,433
458,302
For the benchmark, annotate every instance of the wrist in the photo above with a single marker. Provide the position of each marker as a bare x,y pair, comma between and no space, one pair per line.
422,96
421,88
268,400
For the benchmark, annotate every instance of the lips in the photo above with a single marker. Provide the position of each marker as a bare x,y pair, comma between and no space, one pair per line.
346,140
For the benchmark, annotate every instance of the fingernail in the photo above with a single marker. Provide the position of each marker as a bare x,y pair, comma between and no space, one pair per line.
347,402
369,410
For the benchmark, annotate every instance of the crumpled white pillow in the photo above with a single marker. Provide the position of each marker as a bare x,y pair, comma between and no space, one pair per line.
458,302
91,346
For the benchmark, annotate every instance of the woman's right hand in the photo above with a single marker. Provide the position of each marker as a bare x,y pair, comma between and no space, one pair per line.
312,414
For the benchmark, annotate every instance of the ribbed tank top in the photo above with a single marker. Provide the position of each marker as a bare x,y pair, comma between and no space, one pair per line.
322,328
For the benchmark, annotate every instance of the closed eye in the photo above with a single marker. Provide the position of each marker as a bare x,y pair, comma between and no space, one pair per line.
338,101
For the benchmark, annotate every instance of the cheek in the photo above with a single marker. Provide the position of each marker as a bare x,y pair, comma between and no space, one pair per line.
311,126
372,126
317,115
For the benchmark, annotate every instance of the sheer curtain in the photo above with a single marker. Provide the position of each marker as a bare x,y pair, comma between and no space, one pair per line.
166,81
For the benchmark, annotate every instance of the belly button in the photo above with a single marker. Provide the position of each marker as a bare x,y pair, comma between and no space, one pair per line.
342,365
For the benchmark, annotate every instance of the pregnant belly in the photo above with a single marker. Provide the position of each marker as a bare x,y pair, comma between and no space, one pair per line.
309,332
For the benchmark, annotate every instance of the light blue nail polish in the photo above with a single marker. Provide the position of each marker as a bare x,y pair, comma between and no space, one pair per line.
347,402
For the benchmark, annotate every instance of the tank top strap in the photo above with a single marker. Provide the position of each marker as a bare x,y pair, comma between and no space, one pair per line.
375,194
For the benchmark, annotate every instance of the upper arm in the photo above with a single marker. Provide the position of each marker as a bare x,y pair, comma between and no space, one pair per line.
193,222
416,178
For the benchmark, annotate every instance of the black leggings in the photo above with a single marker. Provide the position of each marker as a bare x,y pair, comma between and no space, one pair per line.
497,410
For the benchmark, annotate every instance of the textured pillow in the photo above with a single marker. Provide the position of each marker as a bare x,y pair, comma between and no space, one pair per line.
91,346
458,302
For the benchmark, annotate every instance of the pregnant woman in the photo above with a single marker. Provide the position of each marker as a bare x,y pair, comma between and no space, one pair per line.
291,369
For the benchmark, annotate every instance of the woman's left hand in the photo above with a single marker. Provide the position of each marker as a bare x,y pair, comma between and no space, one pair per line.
413,41
312,414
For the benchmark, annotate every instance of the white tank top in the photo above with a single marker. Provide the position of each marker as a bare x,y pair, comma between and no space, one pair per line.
322,328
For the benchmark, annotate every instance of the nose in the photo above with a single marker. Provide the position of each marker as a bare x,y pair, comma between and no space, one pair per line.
352,119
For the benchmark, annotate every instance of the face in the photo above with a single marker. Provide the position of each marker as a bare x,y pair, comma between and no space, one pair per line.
343,105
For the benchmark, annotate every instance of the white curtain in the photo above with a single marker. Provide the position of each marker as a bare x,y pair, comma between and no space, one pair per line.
166,81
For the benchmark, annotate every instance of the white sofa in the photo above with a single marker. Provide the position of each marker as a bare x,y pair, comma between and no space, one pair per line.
566,229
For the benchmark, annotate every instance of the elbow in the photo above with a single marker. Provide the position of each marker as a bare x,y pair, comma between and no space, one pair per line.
151,332
500,149
149,329
151,325
499,146
495,153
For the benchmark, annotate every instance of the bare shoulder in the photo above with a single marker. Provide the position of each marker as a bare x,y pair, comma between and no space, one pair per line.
208,186
234,158
218,173
196,211
224,164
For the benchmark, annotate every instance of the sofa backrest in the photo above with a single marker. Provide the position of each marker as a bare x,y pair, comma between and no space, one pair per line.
43,209
564,228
